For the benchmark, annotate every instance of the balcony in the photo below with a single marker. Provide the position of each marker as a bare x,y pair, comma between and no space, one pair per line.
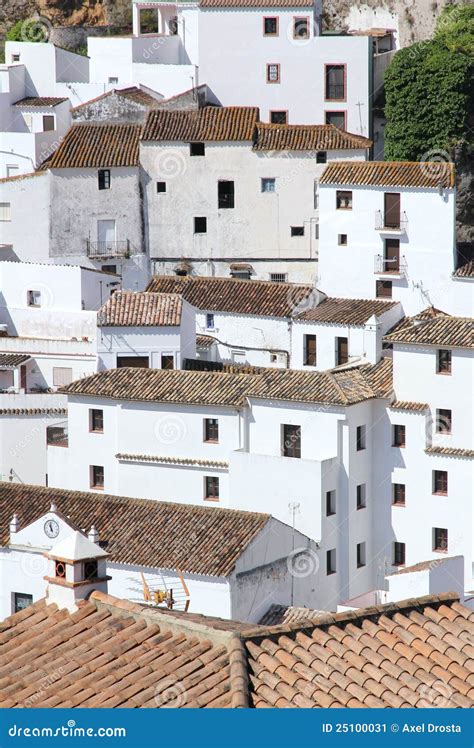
106,249
389,225
395,266
57,436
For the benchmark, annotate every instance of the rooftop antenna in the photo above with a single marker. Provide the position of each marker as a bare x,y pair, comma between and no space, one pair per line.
294,507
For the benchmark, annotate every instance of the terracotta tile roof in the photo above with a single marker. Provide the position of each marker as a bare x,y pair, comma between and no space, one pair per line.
97,145
12,360
271,137
406,405
465,271
449,451
414,653
262,298
156,534
433,327
422,566
282,614
390,174
39,101
167,460
141,309
33,411
346,311
207,124
204,341
133,93
255,4
18,178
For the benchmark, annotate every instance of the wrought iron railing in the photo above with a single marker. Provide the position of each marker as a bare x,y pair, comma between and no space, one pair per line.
394,265
114,248
385,223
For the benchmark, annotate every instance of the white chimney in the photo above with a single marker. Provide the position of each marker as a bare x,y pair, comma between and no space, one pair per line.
14,524
93,535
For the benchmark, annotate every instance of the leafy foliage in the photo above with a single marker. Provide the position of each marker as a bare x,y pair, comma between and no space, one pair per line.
455,29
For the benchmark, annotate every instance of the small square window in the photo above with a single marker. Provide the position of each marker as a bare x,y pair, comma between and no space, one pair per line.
211,430
21,600
200,225
268,184
270,26
321,157
360,438
210,321
301,28
399,554
273,73
297,230
279,117
167,361
211,488
342,240
444,421
330,503
331,561
113,80
291,441
440,539
104,179
90,569
161,187
440,482
16,58
383,289
96,422
48,122
97,476
197,149
34,298
361,501
398,435
361,555
398,494
443,361
343,200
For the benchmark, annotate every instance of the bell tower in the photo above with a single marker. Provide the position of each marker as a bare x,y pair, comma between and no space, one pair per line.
76,567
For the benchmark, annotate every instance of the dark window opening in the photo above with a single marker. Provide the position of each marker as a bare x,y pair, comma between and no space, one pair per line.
270,26
297,230
444,420
398,494
399,436
91,569
309,343
343,200
440,539
104,179
161,187
226,194
133,362
440,482
383,289
399,554
335,89
197,149
211,430
291,446
361,496
279,117
331,562
330,503
338,119
360,555
342,351
444,362
167,361
200,225
97,476
211,488
321,157
360,438
97,420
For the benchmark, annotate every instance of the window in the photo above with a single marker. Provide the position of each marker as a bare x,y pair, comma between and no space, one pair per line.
209,321
104,179
273,73
33,298
335,82
5,212
399,554
444,421
361,496
440,482
133,362
321,157
443,361
113,80
342,240
167,361
270,26
278,277
200,225
48,122
109,269
60,569
398,436
21,600
342,351
309,350
440,539
16,58
279,117
360,555
330,503
61,376
161,187
338,119
398,494
28,119
316,194
211,430
268,184
173,26
96,422
90,569
297,230
301,28
97,476
225,194
383,289
197,149
211,488
316,230
343,200
360,438
291,437
331,562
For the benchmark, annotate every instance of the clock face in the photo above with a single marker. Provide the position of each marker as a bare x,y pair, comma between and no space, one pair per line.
51,528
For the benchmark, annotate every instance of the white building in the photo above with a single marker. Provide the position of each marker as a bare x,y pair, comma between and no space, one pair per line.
146,330
48,338
390,228
233,564
224,189
265,323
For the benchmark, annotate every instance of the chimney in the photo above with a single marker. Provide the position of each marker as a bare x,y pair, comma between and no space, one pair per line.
93,535
14,524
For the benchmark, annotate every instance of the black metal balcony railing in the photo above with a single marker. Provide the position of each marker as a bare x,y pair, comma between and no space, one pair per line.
102,249
57,436
384,223
394,265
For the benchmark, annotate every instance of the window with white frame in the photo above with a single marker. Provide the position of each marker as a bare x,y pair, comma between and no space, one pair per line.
5,212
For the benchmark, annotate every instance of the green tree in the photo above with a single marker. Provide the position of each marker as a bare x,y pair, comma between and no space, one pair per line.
455,29
29,30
